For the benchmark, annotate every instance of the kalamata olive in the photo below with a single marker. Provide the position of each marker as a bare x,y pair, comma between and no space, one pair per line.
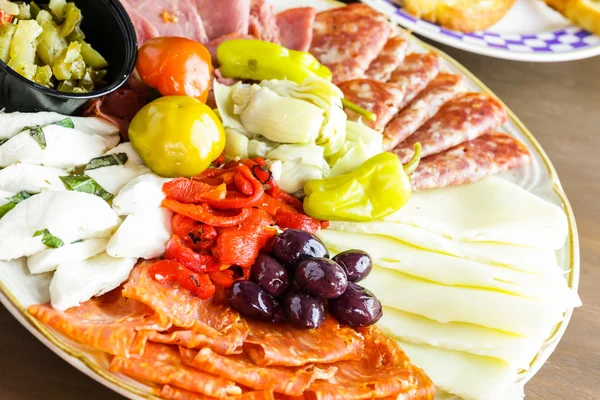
321,277
278,315
303,310
357,263
356,307
270,274
293,246
250,300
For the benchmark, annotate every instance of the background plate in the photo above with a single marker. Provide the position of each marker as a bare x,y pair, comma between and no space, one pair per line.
19,289
530,31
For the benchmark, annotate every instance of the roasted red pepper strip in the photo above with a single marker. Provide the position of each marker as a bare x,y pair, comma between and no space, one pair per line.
169,271
205,214
186,190
243,185
274,206
222,278
297,221
178,251
183,225
250,201
289,200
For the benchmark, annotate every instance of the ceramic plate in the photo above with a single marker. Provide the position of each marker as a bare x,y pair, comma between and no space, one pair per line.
530,31
19,289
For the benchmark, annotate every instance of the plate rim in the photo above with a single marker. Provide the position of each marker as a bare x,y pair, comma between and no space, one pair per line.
82,362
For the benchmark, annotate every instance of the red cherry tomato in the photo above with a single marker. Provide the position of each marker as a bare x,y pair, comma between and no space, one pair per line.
175,66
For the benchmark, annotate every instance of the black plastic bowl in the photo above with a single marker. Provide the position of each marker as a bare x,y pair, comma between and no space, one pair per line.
109,30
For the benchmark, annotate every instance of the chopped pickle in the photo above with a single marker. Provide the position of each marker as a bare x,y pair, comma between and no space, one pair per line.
72,16
57,7
8,7
87,82
76,36
35,9
67,86
43,76
50,43
22,48
6,34
42,16
68,64
92,57
24,11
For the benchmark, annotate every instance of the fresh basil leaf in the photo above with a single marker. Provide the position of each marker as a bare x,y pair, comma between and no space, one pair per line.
48,239
107,161
65,123
85,184
37,134
77,241
14,200
2,141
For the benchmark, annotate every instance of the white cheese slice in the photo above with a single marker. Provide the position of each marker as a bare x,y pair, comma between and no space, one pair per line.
13,123
47,260
140,194
31,178
492,210
69,216
142,235
65,148
515,350
78,281
468,376
127,148
114,178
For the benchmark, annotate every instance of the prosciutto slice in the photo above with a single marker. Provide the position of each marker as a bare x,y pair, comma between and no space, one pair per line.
296,27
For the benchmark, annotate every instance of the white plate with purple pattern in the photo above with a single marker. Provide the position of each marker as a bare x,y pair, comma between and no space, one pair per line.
530,31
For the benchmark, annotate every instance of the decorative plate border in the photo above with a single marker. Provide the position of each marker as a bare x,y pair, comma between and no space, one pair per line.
565,44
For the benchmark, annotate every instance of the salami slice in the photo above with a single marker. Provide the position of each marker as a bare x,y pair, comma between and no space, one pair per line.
470,161
229,343
383,371
381,98
441,90
162,364
415,73
347,39
281,344
389,59
172,393
240,368
210,317
464,118
109,323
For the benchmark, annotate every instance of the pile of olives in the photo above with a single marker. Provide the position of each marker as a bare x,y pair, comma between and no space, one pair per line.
297,279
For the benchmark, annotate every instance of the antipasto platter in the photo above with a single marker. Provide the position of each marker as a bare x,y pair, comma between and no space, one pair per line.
355,217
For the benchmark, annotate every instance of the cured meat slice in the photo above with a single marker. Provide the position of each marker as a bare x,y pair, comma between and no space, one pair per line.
441,90
224,16
389,59
415,73
383,371
172,17
240,368
296,27
263,22
110,323
462,119
162,364
348,39
228,343
281,344
210,317
381,98
144,30
470,161
173,393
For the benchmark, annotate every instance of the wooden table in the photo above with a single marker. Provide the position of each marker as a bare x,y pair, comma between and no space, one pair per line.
560,103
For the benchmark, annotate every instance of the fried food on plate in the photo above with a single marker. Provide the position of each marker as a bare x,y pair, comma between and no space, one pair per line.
585,13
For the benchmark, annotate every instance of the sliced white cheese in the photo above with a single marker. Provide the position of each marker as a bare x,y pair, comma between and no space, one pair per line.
517,351
140,194
114,178
142,235
78,281
4,197
69,216
31,178
443,303
132,155
13,123
468,376
492,210
47,260
65,148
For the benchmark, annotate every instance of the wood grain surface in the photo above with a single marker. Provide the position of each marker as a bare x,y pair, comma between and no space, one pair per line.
560,104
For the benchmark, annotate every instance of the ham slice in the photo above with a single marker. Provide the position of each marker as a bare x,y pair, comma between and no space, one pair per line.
296,27
144,30
389,59
262,22
172,393
281,344
415,73
110,323
223,17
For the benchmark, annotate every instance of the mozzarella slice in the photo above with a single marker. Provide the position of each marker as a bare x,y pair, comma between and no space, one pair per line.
47,260
468,376
114,178
69,216
141,194
492,210
78,281
31,178
65,148
142,235
4,197
13,123
132,155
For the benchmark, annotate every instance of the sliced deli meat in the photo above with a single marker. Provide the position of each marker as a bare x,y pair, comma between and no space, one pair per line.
174,393
381,98
348,39
263,23
441,90
224,16
415,73
144,29
229,343
464,118
470,161
389,59
296,27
